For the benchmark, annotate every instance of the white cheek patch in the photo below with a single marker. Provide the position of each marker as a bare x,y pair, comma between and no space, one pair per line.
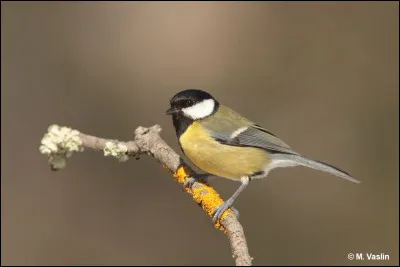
200,110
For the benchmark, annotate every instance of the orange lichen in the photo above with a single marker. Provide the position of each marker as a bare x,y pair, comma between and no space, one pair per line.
181,174
204,195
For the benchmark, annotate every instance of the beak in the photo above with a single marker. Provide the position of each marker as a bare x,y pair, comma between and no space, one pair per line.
171,111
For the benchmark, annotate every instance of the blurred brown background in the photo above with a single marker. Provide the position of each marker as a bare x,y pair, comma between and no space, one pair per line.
322,76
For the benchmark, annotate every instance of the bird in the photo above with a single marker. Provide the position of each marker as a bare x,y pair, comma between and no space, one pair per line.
223,143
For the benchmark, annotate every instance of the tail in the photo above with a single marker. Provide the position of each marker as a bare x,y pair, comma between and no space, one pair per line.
317,165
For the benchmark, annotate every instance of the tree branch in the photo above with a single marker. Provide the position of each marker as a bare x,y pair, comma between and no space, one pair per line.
60,142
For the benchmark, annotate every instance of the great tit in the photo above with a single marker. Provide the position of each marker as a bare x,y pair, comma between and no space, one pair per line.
223,143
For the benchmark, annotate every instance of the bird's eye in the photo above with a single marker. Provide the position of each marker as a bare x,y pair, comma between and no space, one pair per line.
190,103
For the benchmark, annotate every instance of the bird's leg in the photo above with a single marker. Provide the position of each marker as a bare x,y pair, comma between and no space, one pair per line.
196,178
221,209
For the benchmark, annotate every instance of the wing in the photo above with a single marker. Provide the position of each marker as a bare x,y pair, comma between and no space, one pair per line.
226,128
255,136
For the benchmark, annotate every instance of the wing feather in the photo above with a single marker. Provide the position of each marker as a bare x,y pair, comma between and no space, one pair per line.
224,125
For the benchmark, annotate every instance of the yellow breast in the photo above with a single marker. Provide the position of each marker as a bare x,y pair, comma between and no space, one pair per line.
231,162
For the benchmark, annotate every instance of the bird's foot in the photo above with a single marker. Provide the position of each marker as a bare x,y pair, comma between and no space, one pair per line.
222,208
195,178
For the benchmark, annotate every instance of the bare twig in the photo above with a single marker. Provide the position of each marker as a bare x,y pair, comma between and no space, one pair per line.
148,140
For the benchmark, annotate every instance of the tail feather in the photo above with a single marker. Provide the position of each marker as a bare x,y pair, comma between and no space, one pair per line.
317,165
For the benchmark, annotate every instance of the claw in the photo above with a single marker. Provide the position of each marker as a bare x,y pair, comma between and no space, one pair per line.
195,178
189,183
219,211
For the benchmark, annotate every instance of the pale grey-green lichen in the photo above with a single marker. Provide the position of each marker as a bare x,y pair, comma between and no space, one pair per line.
59,143
57,162
117,150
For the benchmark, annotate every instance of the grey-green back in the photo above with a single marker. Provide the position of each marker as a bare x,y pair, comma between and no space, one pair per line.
225,122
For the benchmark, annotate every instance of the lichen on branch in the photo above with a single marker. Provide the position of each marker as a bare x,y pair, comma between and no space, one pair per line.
59,143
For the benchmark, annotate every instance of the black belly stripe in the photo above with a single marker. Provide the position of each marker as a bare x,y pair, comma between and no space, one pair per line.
181,123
